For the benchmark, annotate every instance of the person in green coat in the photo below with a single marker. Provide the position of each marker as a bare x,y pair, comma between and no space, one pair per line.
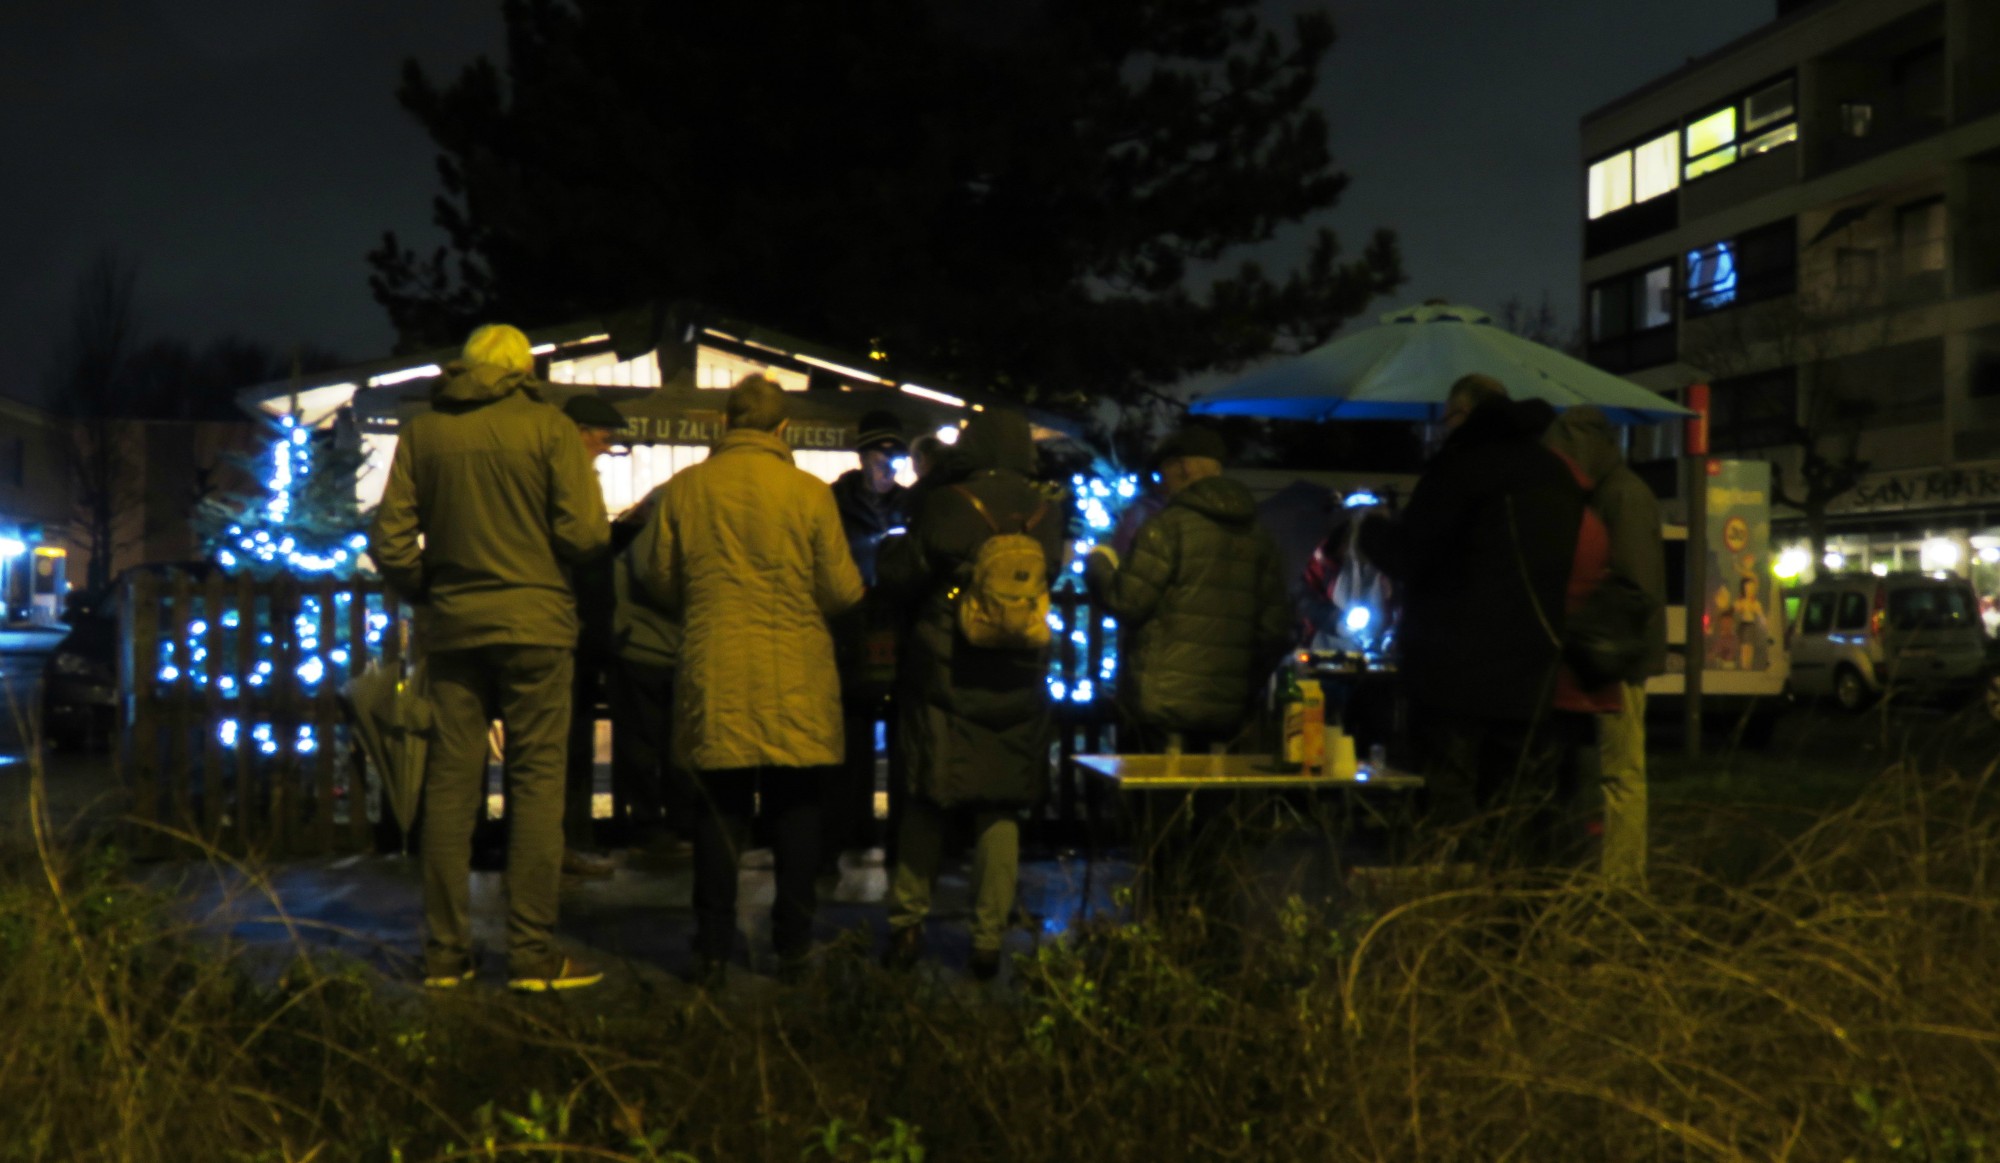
747,549
1200,601
490,501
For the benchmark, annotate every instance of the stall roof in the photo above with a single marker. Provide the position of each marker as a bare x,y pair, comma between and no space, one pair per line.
843,384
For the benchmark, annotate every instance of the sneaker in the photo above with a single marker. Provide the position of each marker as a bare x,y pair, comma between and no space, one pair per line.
448,980
570,975
578,863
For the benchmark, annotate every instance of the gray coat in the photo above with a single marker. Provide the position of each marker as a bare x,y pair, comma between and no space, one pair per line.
1631,516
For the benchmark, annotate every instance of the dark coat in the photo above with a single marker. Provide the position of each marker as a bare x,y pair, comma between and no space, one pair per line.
866,517
1201,606
1472,641
974,725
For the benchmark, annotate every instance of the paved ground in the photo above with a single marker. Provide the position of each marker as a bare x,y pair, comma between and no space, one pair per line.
638,921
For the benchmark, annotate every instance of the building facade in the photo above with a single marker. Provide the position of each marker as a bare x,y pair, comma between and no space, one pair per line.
1808,220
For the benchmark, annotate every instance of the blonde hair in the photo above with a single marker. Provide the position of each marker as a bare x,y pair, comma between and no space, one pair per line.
501,346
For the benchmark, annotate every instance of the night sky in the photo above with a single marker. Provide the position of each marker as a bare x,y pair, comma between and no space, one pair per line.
245,154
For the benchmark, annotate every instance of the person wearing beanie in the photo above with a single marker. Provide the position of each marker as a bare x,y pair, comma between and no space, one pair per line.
871,505
490,503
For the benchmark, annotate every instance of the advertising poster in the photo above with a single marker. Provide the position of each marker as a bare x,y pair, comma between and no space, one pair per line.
1740,617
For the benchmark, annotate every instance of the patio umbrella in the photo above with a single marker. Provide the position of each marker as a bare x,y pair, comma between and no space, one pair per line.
392,718
1402,370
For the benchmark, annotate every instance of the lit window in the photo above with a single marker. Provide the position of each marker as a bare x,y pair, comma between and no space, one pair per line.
1656,168
1711,276
1711,133
1656,299
1768,106
1783,135
1611,185
1722,157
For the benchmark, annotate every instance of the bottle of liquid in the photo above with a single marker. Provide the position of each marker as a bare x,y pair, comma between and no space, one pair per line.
1312,728
1291,721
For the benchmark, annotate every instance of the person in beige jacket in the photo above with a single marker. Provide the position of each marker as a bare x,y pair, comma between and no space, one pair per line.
490,501
748,549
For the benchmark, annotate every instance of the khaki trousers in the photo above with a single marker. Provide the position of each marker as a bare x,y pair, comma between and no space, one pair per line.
1622,751
528,689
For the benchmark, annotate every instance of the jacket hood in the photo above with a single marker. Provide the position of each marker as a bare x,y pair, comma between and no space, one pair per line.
1502,422
468,384
998,439
751,438
1219,499
1586,437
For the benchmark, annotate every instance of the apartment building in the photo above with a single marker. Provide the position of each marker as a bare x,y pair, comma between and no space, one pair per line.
1808,220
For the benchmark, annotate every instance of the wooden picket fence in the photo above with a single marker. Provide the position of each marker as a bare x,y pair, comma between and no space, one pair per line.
231,725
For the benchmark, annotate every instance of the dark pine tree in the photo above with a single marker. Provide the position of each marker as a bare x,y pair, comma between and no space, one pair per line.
1051,198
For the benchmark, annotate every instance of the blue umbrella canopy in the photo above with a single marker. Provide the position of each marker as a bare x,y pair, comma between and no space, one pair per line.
1403,369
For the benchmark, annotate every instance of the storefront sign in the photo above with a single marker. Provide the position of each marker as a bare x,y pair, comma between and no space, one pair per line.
1922,489
707,428
1740,627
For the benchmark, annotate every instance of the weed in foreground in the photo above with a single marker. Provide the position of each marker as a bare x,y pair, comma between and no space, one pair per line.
1831,1000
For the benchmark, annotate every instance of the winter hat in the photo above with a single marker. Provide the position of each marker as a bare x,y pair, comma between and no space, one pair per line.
593,412
881,430
1202,443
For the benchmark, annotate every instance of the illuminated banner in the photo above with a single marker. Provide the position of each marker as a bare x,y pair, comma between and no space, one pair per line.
1740,624
1921,489
706,428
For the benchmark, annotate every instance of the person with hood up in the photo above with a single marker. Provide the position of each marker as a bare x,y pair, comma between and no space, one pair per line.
490,501
973,723
747,549
1200,600
1637,551
1483,555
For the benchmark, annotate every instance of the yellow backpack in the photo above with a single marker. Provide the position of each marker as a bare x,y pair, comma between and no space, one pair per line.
1004,605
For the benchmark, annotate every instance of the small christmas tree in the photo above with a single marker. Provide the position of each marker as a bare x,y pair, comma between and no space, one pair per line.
307,521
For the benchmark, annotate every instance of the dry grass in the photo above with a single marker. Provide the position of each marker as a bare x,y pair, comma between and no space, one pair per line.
1831,998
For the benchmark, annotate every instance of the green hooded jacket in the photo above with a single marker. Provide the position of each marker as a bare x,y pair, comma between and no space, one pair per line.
641,630
1201,607
1631,516
498,487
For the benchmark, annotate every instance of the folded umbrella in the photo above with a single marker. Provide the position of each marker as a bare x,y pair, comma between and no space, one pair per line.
392,717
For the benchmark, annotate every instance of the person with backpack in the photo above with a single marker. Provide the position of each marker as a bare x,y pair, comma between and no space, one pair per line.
1637,552
1200,600
972,701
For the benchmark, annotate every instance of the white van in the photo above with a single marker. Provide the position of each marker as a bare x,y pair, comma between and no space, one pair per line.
1857,637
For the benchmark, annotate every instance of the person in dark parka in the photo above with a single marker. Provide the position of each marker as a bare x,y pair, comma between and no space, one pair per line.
1200,597
973,723
1484,551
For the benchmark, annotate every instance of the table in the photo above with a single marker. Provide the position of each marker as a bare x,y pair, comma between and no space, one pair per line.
1148,777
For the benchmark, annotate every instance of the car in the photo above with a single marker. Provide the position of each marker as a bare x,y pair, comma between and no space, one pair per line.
1860,637
80,677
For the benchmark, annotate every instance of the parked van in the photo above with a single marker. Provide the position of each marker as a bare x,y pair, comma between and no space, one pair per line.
1857,637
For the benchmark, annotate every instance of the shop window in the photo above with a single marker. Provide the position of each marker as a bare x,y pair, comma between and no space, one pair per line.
1635,175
